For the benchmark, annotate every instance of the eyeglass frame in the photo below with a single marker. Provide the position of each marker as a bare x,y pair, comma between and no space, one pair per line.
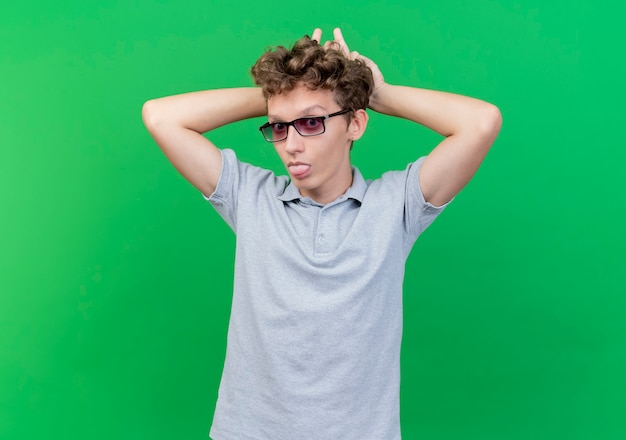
292,123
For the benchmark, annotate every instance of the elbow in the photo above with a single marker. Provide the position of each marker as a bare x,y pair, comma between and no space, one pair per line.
482,130
149,114
158,116
490,123
483,126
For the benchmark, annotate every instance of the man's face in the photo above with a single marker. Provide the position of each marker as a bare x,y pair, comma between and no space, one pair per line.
318,165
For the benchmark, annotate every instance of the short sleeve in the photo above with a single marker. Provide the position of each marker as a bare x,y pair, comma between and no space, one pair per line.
224,198
419,213
242,184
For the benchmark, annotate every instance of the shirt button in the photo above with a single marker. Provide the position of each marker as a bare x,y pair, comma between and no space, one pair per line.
321,238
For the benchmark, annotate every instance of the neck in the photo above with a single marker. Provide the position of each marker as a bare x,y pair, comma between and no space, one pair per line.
331,190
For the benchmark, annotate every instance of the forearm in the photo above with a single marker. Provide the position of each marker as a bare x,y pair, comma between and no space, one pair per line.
446,113
177,123
205,110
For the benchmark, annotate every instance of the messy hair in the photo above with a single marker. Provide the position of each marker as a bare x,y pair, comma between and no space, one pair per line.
308,63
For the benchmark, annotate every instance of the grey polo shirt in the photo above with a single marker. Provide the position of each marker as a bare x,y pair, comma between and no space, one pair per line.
313,348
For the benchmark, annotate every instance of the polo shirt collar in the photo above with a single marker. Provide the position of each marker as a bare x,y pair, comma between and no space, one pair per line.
356,190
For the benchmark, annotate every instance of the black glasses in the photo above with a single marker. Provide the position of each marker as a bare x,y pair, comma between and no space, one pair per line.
309,126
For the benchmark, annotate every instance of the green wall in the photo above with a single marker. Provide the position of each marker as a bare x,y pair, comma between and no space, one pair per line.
115,275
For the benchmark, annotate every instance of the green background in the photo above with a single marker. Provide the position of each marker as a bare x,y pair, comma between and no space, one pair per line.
116,276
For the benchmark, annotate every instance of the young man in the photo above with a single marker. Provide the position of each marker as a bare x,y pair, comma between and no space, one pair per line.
314,337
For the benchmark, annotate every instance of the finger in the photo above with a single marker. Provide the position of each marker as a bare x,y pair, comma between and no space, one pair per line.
342,43
317,35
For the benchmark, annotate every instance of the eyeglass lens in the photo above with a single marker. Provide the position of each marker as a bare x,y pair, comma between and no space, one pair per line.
304,126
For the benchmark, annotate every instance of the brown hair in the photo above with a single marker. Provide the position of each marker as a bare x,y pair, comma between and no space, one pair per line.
308,63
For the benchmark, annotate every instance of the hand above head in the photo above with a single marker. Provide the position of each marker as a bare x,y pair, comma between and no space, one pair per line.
340,44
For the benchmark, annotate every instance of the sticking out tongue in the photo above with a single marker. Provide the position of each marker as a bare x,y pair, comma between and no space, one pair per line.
298,170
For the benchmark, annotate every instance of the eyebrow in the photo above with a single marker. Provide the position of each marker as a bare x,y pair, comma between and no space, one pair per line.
304,113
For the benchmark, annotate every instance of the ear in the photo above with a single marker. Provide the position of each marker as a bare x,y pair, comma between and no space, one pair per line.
358,124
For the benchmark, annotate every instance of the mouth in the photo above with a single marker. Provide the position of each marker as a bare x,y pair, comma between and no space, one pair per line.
298,170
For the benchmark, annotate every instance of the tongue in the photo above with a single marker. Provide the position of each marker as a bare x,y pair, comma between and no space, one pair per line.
297,170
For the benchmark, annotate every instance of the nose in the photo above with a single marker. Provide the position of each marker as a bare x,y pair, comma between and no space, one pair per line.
293,142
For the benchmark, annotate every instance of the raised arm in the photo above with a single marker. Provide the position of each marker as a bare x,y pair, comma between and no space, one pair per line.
469,125
177,124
